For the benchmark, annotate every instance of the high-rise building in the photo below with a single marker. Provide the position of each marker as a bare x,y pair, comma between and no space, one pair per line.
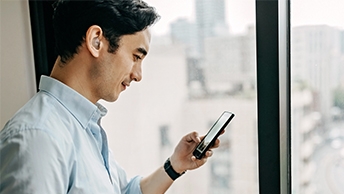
341,67
210,20
230,62
210,17
316,56
184,31
342,42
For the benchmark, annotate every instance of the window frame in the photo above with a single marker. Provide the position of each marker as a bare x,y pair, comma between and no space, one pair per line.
273,95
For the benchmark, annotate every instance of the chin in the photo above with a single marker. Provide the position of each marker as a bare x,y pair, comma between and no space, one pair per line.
111,98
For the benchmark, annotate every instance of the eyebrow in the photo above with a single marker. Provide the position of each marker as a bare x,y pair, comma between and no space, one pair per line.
142,50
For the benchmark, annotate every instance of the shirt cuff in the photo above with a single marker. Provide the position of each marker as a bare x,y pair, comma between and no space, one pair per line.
134,186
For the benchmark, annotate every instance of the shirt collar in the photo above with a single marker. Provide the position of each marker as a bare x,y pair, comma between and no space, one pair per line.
79,106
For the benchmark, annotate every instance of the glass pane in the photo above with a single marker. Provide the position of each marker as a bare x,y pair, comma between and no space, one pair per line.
317,57
201,62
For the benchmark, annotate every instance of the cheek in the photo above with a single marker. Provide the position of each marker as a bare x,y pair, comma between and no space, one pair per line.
118,75
120,69
124,69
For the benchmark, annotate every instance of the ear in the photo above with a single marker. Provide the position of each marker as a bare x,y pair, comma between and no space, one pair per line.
94,36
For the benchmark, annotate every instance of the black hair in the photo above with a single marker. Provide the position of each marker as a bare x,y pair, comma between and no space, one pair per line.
72,18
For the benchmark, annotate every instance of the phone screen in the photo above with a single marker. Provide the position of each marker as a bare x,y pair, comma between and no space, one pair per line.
213,133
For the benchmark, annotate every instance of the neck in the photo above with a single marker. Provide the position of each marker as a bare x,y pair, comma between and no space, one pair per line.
74,74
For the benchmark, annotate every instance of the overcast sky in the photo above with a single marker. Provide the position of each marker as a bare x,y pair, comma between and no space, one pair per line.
241,13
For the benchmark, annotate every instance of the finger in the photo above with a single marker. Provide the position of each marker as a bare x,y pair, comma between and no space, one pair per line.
204,159
216,144
209,153
193,137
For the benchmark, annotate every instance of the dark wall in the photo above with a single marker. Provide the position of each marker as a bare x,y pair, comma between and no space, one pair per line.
42,36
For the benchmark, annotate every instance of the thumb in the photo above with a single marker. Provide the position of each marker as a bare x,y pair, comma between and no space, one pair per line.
193,137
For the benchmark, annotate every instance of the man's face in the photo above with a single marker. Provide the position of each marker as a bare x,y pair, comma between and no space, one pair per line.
114,72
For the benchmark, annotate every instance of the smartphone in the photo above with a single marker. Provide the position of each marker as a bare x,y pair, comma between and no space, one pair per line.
214,132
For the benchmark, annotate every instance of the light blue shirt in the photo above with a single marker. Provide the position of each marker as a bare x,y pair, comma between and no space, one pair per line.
55,144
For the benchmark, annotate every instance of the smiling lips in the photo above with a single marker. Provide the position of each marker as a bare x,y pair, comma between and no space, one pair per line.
125,85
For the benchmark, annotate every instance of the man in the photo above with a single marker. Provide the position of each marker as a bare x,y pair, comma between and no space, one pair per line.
55,143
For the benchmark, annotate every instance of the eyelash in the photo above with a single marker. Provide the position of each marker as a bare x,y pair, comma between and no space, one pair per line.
137,57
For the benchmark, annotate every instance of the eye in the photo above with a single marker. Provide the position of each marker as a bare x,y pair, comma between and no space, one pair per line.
137,57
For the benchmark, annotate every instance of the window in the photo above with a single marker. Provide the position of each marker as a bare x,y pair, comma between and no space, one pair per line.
317,60
176,73
201,62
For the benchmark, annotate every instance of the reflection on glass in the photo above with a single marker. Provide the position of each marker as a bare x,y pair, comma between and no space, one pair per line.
197,68
317,97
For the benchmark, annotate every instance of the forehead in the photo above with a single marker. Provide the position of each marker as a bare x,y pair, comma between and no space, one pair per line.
140,39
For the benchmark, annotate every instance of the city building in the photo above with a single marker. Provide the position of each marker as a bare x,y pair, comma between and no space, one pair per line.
317,59
316,55
210,22
184,32
229,63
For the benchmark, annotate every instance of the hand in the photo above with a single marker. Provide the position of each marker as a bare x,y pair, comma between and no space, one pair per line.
182,159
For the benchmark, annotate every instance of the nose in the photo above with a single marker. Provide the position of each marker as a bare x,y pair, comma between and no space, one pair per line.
136,73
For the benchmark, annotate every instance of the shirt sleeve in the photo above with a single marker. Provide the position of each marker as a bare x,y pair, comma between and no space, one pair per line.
125,185
133,186
33,161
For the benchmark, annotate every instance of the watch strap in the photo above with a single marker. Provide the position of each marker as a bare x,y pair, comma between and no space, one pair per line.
170,171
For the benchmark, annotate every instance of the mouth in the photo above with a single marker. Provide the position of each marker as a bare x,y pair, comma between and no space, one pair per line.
125,85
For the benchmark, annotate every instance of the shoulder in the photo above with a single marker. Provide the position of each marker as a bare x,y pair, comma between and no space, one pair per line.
39,119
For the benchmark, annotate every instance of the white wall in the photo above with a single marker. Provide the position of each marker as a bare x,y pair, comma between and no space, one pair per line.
17,80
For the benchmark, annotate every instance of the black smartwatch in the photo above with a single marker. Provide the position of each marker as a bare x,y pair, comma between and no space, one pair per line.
170,171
